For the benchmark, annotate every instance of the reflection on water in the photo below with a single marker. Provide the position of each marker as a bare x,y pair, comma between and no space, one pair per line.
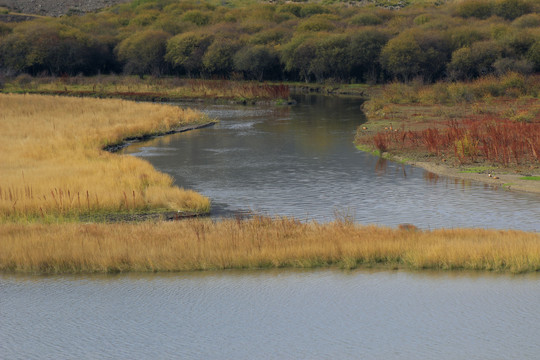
301,161
271,315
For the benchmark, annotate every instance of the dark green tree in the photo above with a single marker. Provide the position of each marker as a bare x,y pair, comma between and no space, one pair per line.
257,61
143,52
365,49
332,58
511,9
474,61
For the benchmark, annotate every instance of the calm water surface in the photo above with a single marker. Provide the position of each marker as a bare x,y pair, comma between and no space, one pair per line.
271,315
300,161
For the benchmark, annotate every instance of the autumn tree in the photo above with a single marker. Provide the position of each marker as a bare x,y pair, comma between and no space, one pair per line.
257,61
476,60
297,55
219,57
143,52
186,51
365,49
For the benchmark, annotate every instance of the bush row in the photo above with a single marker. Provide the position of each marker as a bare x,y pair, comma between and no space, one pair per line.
283,41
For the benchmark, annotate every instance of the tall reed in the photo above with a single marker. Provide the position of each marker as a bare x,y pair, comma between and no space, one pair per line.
53,164
260,242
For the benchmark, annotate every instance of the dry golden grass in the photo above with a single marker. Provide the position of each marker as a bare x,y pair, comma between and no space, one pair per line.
53,164
257,243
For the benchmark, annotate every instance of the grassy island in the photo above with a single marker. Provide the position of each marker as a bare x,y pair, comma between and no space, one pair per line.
260,242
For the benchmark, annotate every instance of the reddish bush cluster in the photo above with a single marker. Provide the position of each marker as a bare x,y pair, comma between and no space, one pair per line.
498,141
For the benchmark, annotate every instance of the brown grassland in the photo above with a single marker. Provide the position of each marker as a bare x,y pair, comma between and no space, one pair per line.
260,242
53,165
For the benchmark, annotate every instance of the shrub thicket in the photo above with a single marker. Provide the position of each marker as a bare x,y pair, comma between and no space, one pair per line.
283,41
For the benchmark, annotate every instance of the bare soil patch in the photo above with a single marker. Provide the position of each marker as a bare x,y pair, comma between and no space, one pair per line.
57,7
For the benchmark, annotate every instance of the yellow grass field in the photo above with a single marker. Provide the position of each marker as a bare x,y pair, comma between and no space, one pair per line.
257,243
53,165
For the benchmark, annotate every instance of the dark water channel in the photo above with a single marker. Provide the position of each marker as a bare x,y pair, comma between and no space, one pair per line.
300,161
325,314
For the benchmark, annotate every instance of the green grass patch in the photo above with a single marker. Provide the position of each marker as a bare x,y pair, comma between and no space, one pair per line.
368,149
534,178
477,169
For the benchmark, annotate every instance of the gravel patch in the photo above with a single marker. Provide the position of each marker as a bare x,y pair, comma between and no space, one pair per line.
57,7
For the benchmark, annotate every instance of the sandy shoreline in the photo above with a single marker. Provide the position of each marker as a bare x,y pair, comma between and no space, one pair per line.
511,182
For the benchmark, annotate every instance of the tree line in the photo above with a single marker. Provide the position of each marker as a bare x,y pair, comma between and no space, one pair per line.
295,41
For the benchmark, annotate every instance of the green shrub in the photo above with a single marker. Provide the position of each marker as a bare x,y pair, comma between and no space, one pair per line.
366,19
196,17
312,9
533,55
511,9
527,21
421,19
316,23
400,93
458,92
507,65
481,9
466,36
474,61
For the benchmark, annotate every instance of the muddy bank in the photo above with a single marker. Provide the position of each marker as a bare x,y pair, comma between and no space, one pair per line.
497,179
139,217
131,140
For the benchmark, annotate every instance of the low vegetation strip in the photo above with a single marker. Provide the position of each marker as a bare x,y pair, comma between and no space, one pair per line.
150,88
259,242
53,164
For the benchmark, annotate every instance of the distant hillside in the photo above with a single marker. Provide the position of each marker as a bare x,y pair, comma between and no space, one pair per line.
57,7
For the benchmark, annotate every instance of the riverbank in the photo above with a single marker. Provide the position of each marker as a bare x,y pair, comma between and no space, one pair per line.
486,130
162,89
54,167
257,243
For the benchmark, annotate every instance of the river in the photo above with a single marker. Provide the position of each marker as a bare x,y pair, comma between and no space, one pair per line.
282,314
300,161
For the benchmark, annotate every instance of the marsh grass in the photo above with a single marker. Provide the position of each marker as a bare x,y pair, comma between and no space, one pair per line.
53,165
260,242
132,87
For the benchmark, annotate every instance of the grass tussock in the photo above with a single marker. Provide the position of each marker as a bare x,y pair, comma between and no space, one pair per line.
257,243
53,165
